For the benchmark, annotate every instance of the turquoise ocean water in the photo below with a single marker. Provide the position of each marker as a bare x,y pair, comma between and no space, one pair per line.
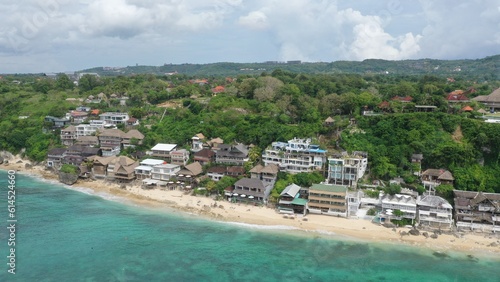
68,235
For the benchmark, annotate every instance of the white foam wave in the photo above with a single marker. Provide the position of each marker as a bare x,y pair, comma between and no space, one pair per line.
263,227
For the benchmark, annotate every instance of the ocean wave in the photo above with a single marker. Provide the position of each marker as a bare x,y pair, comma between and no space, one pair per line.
262,227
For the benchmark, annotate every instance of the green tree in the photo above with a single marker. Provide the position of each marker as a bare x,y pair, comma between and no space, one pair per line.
88,82
63,82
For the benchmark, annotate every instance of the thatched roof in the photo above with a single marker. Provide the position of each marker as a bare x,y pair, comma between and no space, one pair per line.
134,133
494,97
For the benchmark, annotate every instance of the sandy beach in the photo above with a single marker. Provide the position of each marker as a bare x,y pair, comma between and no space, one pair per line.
470,243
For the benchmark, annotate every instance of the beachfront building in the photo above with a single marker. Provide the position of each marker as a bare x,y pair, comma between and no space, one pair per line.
164,171
114,118
179,157
231,154
434,177
162,151
251,189
100,165
290,201
189,173
298,155
55,156
347,169
122,168
328,199
143,171
76,154
477,211
434,212
353,202
268,174
110,141
397,207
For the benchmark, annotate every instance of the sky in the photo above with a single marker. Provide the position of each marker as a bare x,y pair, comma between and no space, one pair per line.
69,35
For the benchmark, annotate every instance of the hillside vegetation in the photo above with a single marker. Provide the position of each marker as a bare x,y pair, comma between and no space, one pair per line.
277,106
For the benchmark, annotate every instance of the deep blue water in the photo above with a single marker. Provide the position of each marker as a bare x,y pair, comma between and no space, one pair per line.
67,235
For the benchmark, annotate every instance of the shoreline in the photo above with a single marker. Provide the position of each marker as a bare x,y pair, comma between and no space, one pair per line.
470,244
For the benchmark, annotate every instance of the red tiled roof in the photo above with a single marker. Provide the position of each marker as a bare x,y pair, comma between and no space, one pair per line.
218,89
384,105
467,109
456,97
402,99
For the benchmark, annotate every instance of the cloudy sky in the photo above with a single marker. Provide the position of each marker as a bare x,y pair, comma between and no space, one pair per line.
68,35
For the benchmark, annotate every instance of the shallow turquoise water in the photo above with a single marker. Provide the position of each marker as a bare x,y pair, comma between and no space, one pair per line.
67,235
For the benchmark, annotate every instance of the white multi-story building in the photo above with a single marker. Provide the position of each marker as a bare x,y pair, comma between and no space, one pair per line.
298,155
164,171
434,212
144,170
114,118
345,169
405,204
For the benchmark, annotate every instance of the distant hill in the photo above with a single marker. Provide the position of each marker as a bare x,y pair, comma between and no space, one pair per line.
483,69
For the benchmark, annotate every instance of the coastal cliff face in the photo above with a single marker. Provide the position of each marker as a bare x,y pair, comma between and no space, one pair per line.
68,178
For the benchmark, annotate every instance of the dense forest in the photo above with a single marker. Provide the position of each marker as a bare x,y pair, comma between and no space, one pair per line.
277,106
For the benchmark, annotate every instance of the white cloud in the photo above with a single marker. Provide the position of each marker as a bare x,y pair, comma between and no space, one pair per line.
104,32
254,20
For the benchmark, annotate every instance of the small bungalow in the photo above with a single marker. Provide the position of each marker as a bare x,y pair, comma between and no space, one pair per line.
457,96
189,172
218,89
329,121
290,201
197,142
132,122
434,177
